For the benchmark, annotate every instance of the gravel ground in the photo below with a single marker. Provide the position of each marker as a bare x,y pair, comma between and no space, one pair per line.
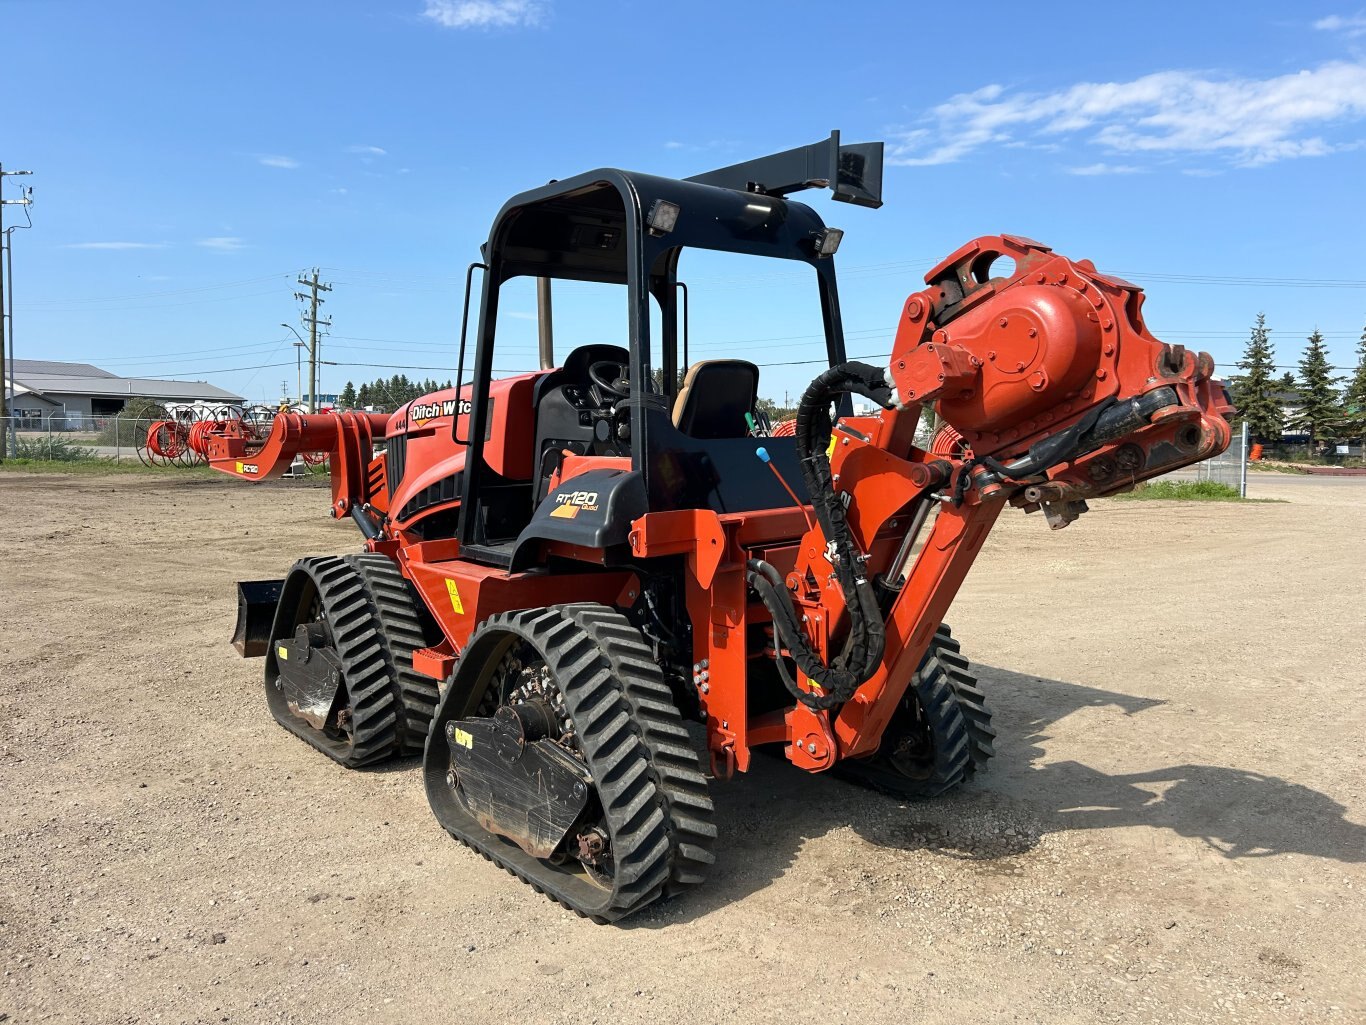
1174,829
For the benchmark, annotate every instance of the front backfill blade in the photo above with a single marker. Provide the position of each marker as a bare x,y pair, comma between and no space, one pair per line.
256,601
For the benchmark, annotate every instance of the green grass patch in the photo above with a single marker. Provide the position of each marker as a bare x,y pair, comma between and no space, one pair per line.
1188,491
96,465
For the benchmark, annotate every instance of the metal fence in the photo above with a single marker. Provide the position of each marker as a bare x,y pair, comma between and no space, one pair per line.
1324,453
1229,467
62,438
113,439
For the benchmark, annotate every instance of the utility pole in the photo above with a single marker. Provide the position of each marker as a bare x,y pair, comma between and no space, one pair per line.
8,433
312,320
299,346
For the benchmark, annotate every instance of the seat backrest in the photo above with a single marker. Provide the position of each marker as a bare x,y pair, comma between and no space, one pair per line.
715,397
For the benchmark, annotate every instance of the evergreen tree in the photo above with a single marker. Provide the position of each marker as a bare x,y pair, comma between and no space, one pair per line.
364,398
1318,395
1288,382
1355,397
347,398
1256,390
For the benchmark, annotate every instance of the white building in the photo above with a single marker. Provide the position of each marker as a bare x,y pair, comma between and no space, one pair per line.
71,395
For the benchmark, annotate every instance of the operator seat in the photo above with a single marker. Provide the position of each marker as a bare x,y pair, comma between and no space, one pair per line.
716,395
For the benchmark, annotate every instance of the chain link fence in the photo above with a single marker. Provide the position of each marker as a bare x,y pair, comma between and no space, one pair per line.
1323,453
67,438
115,439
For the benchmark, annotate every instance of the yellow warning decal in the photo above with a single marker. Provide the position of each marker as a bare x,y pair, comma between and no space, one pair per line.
282,651
239,467
456,603
565,512
462,738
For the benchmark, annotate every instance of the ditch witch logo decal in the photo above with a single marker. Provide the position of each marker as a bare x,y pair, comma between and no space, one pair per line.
568,504
421,412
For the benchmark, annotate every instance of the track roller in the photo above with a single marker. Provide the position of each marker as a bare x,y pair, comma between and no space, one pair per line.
580,680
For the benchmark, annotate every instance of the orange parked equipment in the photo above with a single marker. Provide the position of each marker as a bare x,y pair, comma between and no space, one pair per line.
563,569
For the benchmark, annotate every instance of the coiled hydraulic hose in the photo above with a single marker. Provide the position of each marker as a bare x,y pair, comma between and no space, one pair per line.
864,645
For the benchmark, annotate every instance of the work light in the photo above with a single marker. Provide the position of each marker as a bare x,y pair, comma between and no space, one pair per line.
662,217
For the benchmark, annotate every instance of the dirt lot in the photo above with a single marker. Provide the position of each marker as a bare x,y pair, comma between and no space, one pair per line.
1174,828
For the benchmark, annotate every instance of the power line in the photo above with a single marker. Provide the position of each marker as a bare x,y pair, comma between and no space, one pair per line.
155,295
1240,281
158,306
150,358
221,370
1277,366
399,280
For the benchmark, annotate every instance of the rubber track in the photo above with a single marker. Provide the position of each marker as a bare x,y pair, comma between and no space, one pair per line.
404,627
366,670
959,720
608,711
689,815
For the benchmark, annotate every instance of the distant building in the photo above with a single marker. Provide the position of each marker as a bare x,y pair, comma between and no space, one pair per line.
1291,403
72,394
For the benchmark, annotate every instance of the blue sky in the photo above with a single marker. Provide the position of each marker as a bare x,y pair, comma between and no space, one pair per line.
191,158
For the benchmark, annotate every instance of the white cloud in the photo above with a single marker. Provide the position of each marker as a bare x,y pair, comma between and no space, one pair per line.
222,243
117,245
674,144
485,13
372,151
1102,168
288,163
520,315
1351,25
339,191
1248,121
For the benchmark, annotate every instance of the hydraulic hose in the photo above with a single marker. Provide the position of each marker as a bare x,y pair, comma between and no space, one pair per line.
1112,418
864,645
1109,420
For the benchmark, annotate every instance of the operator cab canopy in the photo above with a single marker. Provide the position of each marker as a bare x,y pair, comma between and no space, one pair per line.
626,228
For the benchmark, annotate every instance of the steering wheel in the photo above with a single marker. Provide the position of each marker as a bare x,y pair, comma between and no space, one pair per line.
618,385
